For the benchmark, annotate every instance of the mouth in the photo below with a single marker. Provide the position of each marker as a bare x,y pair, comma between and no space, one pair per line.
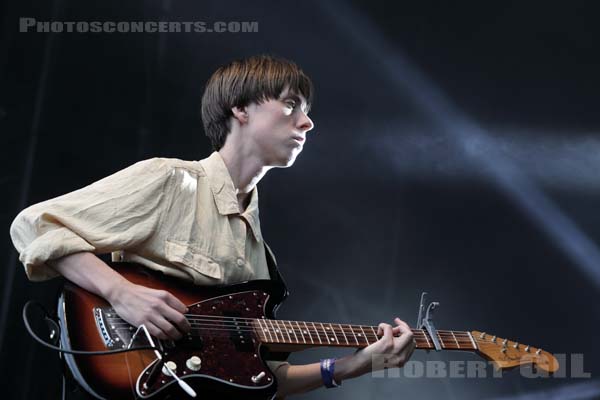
299,139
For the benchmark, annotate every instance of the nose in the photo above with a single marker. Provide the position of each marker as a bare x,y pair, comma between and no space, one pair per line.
305,123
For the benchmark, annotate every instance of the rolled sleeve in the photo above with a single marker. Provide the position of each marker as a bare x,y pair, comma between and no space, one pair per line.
117,212
275,365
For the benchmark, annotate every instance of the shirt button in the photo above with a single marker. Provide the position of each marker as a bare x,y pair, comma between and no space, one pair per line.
240,262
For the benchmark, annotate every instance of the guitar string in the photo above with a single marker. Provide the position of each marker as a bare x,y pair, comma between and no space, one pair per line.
447,335
298,333
452,344
421,341
218,320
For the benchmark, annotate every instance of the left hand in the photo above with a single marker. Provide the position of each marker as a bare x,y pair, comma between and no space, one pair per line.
393,349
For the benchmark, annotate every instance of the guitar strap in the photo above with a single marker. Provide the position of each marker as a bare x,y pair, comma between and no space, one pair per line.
281,294
274,273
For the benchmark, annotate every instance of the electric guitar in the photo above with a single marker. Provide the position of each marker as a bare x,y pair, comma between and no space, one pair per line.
233,331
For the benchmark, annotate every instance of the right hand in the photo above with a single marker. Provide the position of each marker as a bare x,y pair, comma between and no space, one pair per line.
159,310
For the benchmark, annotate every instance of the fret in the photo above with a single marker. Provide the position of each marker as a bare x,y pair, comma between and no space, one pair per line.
454,336
364,334
300,330
472,341
374,333
353,334
283,330
319,336
292,330
274,330
335,334
426,338
343,333
259,331
441,340
464,340
329,339
266,329
309,334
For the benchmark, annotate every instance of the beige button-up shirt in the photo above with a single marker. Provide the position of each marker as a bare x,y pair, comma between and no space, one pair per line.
178,217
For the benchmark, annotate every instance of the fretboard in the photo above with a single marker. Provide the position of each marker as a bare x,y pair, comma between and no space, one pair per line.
312,334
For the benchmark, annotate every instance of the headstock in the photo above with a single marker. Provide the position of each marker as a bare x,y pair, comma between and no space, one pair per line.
505,354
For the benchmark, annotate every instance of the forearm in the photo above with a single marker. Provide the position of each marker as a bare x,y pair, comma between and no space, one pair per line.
294,379
89,272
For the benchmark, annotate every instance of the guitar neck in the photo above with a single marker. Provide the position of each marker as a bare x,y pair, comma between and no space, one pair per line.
313,334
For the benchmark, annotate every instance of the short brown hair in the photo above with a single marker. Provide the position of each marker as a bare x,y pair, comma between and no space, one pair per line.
251,80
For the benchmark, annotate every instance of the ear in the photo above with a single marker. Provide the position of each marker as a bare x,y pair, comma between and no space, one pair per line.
241,114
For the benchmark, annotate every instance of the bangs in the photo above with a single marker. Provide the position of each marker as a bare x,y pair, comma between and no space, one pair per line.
268,77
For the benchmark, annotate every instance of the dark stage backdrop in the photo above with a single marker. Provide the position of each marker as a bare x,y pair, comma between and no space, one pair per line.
456,150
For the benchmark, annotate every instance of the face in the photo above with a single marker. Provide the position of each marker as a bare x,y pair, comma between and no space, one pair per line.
277,129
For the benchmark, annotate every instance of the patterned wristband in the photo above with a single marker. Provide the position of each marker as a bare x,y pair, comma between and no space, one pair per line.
327,370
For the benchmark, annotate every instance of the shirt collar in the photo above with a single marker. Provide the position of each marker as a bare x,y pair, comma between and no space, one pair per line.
223,191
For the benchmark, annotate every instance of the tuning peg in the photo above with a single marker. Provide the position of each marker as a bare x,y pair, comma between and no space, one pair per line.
482,336
503,350
537,353
527,348
504,342
516,345
494,339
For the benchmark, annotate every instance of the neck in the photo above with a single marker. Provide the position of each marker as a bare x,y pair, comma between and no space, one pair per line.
311,334
245,170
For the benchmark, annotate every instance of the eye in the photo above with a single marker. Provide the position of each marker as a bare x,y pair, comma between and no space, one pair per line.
291,103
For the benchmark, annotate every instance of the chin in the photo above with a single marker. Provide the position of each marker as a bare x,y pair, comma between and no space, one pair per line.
286,161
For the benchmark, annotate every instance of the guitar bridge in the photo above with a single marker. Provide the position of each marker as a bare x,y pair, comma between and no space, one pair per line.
115,332
102,329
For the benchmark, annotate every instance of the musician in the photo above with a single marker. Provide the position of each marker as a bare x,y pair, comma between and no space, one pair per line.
196,220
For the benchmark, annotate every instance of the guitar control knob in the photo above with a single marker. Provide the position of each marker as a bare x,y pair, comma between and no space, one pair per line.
170,365
259,377
194,363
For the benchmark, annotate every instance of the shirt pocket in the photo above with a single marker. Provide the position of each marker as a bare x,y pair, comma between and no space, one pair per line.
188,256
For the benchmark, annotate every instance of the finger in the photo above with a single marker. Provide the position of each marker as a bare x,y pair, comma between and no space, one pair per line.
387,331
404,340
155,331
167,327
403,326
176,318
174,302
